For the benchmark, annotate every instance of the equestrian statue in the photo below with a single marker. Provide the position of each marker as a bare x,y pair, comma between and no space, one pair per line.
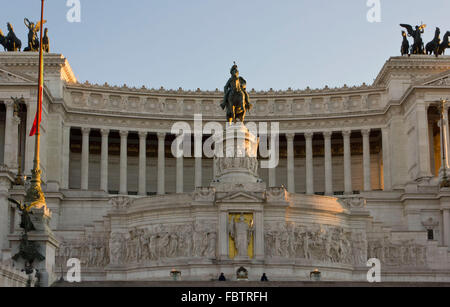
236,99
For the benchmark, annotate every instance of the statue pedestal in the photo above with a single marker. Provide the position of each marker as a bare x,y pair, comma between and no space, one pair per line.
239,190
236,159
46,244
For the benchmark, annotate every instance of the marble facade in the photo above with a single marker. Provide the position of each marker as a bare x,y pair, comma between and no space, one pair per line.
358,177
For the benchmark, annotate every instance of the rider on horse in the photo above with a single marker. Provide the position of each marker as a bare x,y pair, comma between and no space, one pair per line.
237,84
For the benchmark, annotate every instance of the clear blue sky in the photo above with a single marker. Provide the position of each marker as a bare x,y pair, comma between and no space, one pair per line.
193,43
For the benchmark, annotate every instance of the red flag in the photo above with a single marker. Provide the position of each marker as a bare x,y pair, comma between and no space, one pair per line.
37,120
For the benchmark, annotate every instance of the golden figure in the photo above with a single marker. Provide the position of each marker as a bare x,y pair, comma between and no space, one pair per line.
241,235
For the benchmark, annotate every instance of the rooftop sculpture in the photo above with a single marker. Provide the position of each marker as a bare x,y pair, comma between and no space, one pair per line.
435,46
11,43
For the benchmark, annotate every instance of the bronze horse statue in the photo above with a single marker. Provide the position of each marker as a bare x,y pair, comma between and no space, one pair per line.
433,46
10,42
405,45
236,99
444,45
2,40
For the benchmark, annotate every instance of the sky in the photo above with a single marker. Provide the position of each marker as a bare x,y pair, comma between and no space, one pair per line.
192,43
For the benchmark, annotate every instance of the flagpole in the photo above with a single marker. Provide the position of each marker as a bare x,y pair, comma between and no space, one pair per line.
36,165
35,197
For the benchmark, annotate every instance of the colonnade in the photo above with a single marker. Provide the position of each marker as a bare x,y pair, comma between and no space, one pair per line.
198,170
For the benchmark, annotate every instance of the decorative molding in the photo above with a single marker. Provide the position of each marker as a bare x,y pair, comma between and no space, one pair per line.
120,202
240,197
204,194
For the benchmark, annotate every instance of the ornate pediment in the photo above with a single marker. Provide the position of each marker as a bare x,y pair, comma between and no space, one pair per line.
241,197
439,80
9,77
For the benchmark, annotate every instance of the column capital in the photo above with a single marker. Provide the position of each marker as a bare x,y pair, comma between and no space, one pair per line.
327,134
161,135
123,133
346,133
85,131
143,134
365,132
104,132
9,103
309,135
290,136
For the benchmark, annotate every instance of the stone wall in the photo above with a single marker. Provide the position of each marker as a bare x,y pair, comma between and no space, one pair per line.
10,277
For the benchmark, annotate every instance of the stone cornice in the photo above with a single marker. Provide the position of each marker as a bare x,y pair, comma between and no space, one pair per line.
217,94
178,105
18,60
423,63
164,125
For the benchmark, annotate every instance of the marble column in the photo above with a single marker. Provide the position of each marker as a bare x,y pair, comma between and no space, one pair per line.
347,162
11,136
161,163
5,185
328,164
143,163
290,162
272,171
180,166
446,227
65,157
198,159
432,146
123,163
448,135
259,235
85,159
366,160
386,159
222,238
29,141
309,163
423,142
104,164
444,146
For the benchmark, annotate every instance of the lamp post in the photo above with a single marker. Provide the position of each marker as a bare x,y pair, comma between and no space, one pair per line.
445,183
